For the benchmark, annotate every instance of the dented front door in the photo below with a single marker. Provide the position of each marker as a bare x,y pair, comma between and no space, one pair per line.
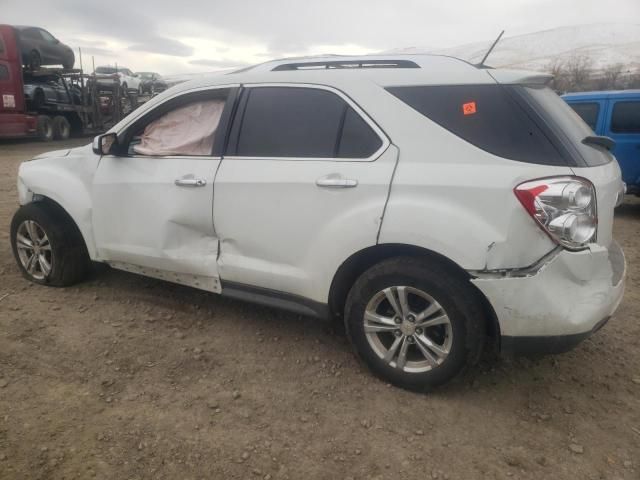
153,215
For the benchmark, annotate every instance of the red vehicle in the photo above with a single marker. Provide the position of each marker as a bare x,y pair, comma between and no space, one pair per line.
53,103
14,119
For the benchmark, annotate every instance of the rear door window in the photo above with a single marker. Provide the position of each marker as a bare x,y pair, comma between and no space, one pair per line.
4,72
486,116
625,117
300,122
588,112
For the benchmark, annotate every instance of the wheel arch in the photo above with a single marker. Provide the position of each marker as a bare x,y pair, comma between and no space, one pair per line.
62,212
33,186
359,262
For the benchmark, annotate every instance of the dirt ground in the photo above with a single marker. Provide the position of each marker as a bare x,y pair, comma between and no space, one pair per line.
124,377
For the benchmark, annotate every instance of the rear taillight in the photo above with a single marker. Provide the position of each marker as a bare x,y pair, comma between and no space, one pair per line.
565,208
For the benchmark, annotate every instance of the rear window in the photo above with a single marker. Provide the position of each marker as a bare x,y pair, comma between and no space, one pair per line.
626,117
565,125
4,73
487,116
587,112
1,45
105,70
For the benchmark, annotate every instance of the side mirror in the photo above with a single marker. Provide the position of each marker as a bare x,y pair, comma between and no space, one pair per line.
56,41
103,144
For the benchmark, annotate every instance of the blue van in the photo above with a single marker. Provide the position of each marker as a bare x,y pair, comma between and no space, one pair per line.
614,114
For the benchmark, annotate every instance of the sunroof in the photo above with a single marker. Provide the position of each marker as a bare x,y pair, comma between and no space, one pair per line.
339,64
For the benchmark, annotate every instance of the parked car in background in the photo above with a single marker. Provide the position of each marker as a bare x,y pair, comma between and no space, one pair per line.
130,81
49,90
615,114
426,202
151,82
38,48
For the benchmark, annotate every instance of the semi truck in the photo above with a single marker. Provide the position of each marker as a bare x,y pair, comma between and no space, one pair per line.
54,103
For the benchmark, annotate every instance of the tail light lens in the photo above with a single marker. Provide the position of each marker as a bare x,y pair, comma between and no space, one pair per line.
564,207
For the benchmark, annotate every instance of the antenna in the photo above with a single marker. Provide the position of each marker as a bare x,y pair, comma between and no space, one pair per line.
486,55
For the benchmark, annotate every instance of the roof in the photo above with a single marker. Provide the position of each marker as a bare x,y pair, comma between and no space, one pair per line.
383,70
351,74
601,95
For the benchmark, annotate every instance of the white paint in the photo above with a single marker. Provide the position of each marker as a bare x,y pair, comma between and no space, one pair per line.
569,295
267,223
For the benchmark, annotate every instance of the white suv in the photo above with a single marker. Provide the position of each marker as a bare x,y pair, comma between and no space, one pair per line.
429,203
130,81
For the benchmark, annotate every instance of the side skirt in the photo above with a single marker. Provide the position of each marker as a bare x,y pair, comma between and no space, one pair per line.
273,298
210,284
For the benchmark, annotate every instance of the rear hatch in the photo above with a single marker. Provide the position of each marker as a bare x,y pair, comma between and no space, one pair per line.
588,159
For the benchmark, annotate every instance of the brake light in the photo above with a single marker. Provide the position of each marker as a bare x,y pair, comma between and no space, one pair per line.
564,207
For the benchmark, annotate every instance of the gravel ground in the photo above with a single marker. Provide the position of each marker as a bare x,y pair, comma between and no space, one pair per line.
124,377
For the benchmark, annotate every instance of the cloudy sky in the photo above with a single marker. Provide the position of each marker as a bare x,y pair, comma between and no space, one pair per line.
183,36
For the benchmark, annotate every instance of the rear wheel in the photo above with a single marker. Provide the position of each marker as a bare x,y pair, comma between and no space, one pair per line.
44,128
48,246
415,324
38,100
61,128
69,62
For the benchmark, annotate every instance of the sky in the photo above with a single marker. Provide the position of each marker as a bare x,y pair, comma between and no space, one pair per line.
190,36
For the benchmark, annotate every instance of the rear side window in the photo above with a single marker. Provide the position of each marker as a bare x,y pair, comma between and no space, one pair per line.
357,139
4,73
486,116
588,112
626,117
301,122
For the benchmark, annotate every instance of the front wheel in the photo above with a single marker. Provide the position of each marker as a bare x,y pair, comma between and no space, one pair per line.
415,324
47,246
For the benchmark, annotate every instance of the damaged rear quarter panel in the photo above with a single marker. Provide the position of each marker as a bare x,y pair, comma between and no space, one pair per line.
474,220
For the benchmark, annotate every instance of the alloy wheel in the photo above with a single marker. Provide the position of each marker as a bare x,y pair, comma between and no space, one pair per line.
34,249
408,329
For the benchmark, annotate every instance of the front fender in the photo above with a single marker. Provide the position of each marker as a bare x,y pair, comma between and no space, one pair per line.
67,181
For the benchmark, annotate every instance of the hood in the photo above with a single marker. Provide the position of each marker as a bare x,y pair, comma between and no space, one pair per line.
53,154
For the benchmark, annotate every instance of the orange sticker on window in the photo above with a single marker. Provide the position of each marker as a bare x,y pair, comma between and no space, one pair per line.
469,108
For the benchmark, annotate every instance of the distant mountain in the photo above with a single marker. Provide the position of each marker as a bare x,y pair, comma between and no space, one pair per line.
605,44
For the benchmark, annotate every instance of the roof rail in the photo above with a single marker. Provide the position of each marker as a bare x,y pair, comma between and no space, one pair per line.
337,64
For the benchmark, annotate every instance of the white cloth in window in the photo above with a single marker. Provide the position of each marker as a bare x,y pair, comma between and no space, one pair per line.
188,130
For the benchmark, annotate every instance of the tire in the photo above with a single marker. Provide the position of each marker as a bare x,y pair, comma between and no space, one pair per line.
35,61
66,255
61,128
125,89
69,62
44,128
38,100
454,315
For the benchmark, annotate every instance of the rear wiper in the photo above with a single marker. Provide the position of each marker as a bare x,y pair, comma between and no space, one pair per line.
601,141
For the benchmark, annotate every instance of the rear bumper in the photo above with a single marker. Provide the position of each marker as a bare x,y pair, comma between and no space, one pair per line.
554,306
